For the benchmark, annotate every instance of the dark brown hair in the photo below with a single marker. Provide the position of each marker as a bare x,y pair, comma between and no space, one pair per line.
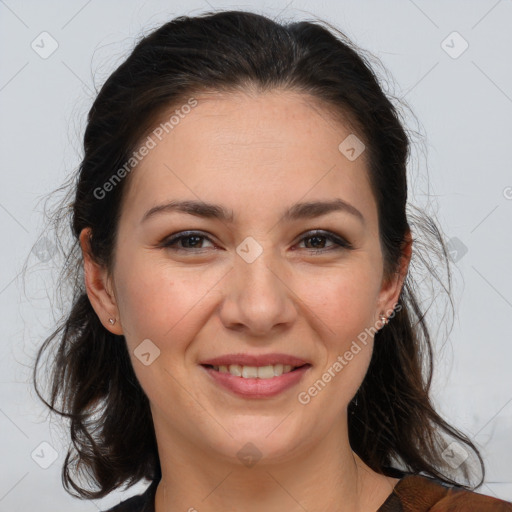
92,382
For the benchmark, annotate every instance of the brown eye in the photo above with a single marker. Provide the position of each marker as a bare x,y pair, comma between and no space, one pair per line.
317,241
189,241
192,241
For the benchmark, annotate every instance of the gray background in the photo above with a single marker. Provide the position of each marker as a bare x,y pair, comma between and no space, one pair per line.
463,104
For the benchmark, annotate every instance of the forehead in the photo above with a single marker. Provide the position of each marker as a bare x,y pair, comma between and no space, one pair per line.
274,147
276,124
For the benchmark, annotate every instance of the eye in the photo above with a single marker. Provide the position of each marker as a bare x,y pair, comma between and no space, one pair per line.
192,241
188,240
318,241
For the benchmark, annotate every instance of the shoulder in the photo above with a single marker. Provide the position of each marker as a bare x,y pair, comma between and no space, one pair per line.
139,503
421,493
134,504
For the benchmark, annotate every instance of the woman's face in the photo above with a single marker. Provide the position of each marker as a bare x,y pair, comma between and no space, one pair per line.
266,281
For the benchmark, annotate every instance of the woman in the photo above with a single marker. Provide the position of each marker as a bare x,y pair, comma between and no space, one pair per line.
246,334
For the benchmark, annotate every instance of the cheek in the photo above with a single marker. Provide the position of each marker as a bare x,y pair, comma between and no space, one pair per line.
343,299
156,303
160,303
345,306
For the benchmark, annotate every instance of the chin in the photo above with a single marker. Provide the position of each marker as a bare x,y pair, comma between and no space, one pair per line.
262,439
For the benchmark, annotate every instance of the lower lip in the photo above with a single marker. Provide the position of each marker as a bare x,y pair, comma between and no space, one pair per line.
257,388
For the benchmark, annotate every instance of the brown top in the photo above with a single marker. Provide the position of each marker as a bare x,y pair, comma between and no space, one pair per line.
416,493
413,493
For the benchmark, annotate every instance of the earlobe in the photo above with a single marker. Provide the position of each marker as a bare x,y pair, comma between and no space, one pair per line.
98,287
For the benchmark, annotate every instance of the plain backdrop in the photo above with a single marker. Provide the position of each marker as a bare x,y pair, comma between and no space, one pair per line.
450,61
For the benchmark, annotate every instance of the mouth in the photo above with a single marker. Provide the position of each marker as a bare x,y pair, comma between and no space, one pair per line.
256,372
255,382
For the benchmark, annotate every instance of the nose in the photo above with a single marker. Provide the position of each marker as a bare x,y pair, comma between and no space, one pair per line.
257,297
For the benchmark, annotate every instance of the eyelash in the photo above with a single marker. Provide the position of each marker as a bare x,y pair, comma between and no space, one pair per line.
170,242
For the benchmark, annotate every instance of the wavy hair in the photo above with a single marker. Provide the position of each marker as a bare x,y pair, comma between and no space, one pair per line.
91,380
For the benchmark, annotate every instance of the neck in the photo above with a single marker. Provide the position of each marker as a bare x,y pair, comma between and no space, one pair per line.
326,477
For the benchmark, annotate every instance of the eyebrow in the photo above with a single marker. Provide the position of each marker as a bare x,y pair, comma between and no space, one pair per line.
307,210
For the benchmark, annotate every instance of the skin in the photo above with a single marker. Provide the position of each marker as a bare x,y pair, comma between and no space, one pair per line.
256,154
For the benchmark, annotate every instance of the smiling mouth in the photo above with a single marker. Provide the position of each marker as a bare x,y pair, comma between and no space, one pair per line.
256,372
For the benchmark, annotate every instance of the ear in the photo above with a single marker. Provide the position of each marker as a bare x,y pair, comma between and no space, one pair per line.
99,287
392,285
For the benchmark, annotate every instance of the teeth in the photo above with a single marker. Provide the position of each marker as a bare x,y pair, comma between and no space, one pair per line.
265,372
253,372
249,372
234,369
278,369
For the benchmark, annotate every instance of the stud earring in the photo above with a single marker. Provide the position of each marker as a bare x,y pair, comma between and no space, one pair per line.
112,321
383,319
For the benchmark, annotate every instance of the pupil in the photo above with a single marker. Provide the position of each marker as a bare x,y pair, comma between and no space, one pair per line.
193,237
316,238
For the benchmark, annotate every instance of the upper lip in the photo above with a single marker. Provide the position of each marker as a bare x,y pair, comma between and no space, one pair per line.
254,360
